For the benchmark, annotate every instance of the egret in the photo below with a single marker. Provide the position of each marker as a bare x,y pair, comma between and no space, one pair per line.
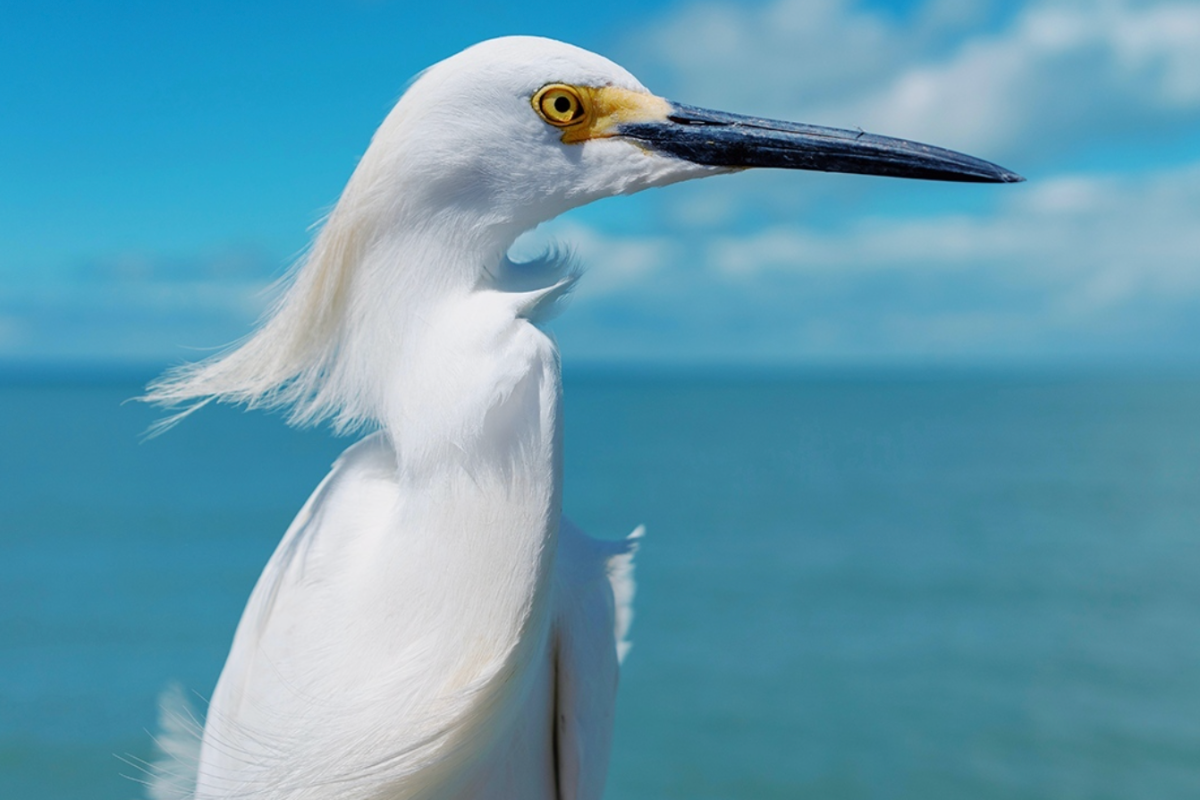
430,626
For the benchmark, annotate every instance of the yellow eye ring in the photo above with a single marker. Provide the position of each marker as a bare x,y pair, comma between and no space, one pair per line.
561,105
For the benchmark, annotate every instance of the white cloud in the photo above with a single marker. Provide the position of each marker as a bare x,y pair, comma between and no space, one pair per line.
1060,75
786,55
1097,264
1055,76
1146,225
134,306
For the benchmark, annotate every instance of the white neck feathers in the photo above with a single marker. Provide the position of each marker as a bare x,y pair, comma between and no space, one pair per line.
328,348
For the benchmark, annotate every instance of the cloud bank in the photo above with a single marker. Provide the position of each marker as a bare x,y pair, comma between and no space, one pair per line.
134,307
1035,83
1097,257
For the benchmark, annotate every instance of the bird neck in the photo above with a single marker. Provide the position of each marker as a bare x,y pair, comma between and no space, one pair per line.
428,340
468,392
374,319
471,404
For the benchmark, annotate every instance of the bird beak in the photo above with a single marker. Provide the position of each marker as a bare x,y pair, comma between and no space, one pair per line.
718,139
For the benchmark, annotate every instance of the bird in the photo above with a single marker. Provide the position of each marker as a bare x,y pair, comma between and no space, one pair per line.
431,626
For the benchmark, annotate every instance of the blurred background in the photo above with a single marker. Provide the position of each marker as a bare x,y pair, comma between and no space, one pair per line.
920,463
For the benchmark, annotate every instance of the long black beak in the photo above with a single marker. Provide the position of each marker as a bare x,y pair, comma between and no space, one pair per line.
718,139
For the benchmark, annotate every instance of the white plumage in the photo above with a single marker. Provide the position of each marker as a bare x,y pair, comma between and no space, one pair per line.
430,627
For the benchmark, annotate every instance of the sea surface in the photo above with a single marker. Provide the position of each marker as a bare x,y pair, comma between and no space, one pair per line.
933,586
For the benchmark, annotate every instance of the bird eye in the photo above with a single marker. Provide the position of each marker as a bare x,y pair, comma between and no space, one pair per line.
560,105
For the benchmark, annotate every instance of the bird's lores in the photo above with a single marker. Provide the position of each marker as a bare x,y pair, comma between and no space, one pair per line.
430,626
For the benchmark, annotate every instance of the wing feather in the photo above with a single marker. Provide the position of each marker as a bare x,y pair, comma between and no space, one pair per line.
594,592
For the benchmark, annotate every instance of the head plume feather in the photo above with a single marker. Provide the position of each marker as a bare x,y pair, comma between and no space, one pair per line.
290,360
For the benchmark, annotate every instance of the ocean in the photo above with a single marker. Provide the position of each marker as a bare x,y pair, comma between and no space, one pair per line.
928,586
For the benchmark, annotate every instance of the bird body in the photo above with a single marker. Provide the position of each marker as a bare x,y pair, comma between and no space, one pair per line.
430,626
498,648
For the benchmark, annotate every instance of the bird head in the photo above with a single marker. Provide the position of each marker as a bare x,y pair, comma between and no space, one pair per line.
519,129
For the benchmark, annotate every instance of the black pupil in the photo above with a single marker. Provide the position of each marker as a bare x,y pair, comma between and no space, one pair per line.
562,104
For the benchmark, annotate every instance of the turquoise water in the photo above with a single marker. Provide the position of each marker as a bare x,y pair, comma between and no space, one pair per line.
873,586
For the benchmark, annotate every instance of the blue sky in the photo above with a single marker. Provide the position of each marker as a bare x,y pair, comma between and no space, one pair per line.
162,163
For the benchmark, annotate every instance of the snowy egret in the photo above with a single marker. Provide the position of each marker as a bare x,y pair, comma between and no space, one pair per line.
429,626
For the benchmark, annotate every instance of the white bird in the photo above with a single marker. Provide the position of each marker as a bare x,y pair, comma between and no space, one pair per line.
430,626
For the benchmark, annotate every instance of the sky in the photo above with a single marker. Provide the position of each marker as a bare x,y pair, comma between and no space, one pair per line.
161,164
